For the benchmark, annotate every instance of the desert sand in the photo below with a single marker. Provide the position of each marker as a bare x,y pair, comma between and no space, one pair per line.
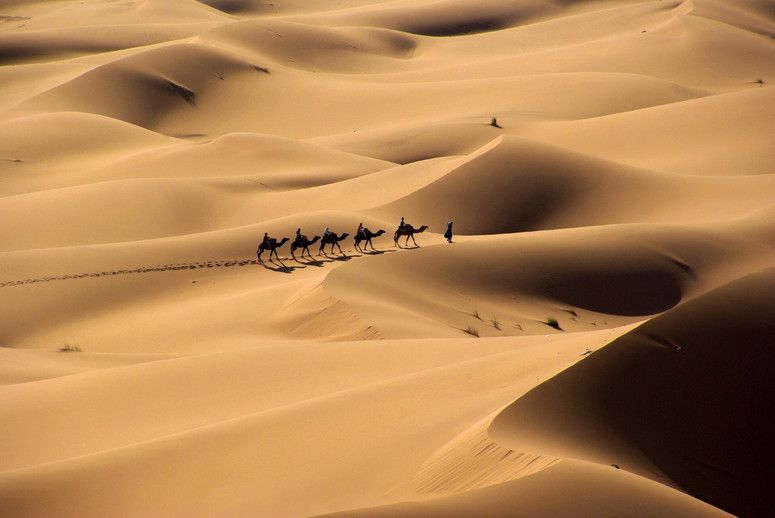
596,341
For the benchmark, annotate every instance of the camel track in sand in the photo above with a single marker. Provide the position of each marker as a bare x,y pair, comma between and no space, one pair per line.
194,265
224,263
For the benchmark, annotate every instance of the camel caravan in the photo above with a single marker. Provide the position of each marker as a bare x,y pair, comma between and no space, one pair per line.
362,239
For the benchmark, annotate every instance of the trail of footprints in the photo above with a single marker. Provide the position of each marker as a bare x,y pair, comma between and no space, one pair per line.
226,263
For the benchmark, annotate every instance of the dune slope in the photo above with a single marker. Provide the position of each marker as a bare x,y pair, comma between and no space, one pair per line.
700,366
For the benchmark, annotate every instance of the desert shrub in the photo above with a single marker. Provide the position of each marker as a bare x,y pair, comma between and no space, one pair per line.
552,322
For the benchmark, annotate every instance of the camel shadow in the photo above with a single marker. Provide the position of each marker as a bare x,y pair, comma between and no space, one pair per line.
316,262
278,267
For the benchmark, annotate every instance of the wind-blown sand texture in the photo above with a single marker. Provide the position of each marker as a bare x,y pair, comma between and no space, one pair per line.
597,341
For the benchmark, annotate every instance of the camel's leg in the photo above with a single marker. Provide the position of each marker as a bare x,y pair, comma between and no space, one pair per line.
339,247
277,256
413,240
259,252
407,239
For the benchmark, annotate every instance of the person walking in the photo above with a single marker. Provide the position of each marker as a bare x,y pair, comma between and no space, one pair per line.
448,233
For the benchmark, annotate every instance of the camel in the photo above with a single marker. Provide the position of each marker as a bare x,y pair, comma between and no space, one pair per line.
332,239
272,246
408,231
369,234
304,244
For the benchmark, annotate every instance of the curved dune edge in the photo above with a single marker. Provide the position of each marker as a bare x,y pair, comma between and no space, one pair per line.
473,460
568,488
584,278
681,399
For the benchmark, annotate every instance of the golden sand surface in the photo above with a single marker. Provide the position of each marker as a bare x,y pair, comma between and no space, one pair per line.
597,340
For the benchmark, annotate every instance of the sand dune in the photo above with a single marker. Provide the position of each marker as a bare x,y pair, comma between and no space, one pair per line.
314,48
726,150
593,342
581,278
538,187
454,18
142,88
280,432
576,489
685,371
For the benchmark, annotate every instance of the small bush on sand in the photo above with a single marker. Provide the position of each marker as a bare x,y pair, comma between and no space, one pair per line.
552,322
496,324
472,331
67,348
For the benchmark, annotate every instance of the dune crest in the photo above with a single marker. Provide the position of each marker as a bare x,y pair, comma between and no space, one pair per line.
685,371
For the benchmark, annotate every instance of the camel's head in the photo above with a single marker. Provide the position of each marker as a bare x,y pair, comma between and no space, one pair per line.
422,228
344,236
379,233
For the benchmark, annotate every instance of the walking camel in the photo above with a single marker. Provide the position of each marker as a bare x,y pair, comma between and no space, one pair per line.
272,245
369,234
332,239
303,243
408,231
